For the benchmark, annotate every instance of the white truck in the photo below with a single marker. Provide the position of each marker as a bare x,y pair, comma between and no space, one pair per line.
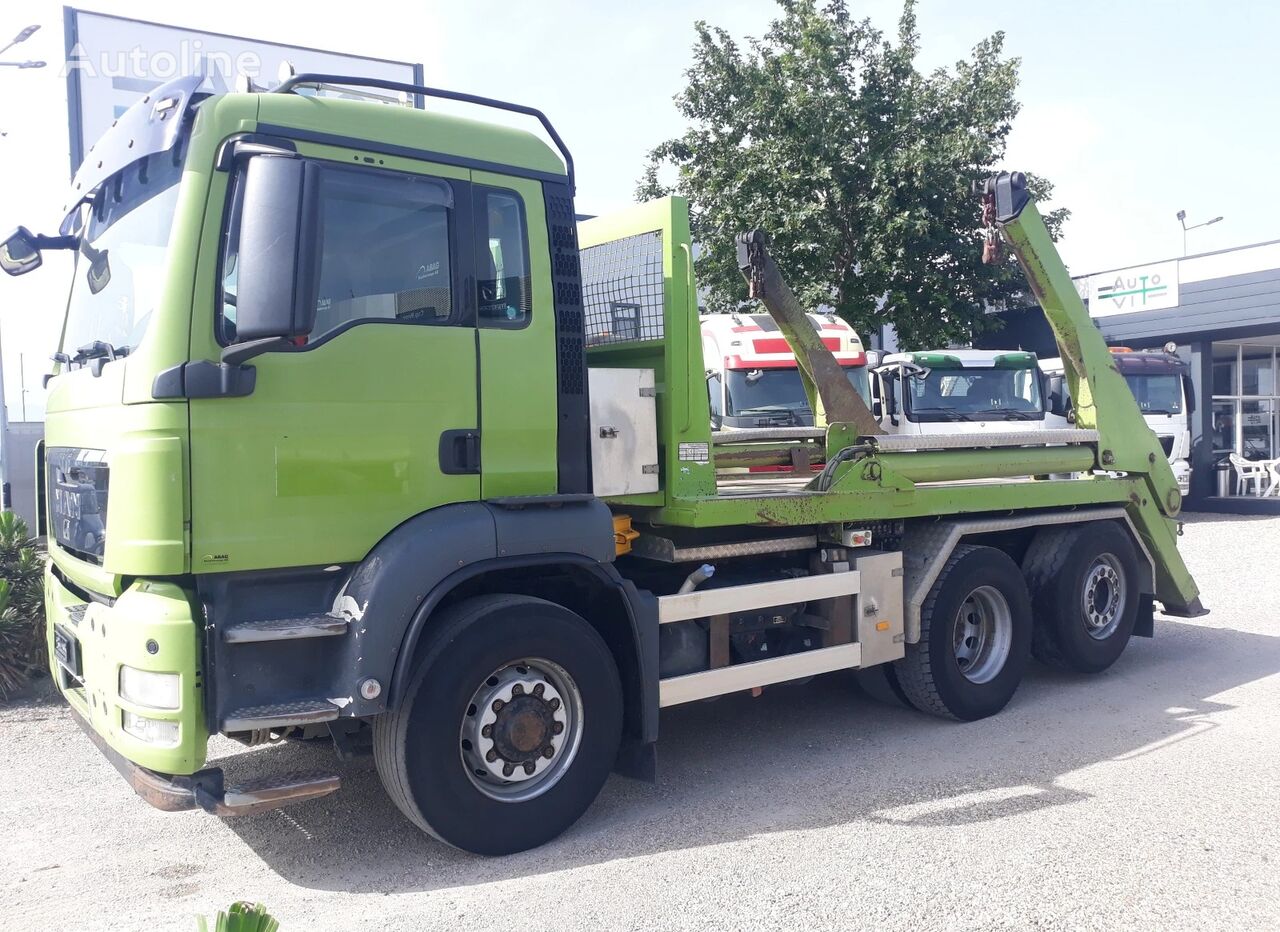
752,378
958,391
1162,387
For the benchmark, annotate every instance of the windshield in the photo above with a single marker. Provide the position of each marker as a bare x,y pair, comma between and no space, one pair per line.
779,393
124,232
974,394
1157,394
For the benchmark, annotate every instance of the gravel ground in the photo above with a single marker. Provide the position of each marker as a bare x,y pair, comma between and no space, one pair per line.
1148,796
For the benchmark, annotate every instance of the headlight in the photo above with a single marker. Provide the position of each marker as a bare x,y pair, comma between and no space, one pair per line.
150,730
154,690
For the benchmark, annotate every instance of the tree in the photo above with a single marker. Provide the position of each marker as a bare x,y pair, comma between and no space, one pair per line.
825,134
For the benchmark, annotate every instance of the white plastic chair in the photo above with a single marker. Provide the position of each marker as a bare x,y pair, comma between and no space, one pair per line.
1274,487
1253,475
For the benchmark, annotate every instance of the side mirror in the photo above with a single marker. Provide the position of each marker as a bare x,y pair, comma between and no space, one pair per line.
20,254
277,251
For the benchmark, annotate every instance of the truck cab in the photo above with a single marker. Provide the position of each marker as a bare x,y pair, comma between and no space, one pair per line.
1161,385
959,391
752,378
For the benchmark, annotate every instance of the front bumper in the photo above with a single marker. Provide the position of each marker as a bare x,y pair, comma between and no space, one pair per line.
150,627
207,790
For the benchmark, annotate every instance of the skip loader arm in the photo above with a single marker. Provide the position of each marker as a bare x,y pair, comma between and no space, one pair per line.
833,398
1102,400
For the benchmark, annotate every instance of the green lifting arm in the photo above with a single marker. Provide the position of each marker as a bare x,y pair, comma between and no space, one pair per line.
1101,397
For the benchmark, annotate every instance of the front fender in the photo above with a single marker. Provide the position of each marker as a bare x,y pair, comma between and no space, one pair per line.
404,575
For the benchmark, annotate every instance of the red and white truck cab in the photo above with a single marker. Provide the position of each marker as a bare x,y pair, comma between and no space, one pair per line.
752,378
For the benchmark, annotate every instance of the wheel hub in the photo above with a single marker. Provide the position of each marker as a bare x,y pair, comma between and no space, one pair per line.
1102,596
983,634
521,729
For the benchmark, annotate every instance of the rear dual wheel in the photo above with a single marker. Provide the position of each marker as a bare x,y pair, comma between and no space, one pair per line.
1085,586
1081,584
975,638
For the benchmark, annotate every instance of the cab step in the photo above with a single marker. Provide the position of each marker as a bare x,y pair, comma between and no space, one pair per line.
271,792
281,715
285,629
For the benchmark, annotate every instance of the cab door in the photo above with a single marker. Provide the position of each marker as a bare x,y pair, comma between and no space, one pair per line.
517,337
373,416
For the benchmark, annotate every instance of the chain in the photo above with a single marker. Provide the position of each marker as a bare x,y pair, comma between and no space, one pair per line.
991,248
756,256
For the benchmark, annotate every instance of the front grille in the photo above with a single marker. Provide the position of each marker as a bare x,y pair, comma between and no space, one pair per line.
1166,444
77,500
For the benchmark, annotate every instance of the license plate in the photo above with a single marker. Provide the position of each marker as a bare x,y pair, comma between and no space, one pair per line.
67,651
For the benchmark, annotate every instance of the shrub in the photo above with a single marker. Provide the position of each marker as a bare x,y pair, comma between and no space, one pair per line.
22,631
241,917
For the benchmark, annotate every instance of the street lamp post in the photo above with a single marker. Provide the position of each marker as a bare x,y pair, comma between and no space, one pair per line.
1182,218
19,38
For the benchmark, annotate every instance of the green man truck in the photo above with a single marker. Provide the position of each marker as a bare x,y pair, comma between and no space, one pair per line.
342,441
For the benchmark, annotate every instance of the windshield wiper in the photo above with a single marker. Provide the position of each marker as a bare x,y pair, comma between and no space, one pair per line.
943,414
1012,414
99,349
99,353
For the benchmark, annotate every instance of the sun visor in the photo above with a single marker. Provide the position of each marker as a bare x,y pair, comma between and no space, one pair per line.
153,124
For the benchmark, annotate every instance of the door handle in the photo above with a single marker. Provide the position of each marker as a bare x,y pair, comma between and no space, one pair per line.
460,452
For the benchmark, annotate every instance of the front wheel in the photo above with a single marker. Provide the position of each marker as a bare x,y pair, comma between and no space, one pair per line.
508,729
975,637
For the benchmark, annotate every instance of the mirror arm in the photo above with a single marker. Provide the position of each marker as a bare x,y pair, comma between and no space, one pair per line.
43,242
239,353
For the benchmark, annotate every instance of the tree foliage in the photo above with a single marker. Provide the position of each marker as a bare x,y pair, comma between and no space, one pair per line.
825,134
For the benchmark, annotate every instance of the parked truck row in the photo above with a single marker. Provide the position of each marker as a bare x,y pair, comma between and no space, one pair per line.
355,434
753,382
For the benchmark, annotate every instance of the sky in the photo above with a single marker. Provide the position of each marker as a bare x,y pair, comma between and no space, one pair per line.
1134,109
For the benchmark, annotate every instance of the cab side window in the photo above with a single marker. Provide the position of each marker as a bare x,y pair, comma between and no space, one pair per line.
504,289
385,252
385,249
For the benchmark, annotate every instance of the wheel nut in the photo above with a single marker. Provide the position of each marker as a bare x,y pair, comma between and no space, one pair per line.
517,689
508,770
539,690
528,767
486,731
555,704
557,727
491,756
497,705
548,752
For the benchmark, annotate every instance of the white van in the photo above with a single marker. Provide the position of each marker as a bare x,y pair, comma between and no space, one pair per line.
959,391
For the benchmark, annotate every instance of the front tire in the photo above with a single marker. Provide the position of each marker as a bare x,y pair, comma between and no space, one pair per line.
975,637
508,728
1084,584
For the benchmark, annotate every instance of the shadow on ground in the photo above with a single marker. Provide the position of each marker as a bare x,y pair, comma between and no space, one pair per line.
799,757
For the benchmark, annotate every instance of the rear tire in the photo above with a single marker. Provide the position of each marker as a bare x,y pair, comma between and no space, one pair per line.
508,728
880,683
1084,583
975,637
